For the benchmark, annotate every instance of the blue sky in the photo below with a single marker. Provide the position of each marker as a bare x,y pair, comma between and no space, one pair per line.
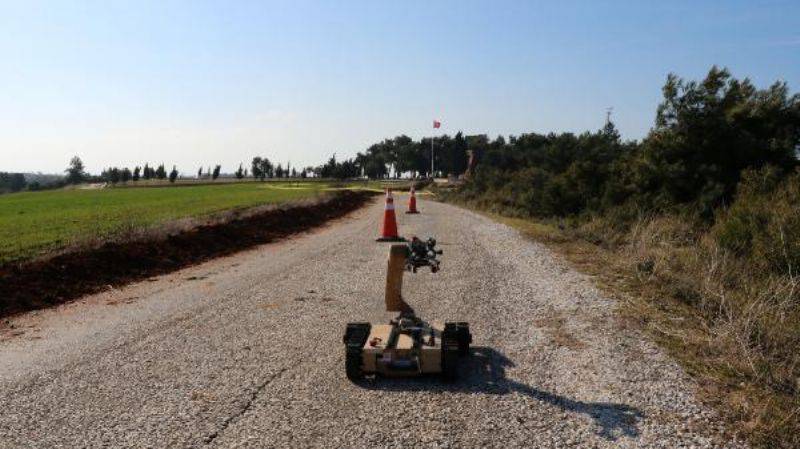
197,83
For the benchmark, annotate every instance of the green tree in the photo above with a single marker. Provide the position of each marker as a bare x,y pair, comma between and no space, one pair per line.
161,173
267,168
255,168
458,155
405,153
215,174
136,173
113,175
76,173
173,175
17,182
708,132
12,182
261,168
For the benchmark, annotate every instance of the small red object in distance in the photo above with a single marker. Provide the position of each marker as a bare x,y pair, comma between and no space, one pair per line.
437,124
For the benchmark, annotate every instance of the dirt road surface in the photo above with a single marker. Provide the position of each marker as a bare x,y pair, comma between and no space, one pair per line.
246,351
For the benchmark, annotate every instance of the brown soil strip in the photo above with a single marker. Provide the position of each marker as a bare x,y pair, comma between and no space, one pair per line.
64,277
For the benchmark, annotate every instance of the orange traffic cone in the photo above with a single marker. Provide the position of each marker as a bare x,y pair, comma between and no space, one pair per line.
412,202
389,226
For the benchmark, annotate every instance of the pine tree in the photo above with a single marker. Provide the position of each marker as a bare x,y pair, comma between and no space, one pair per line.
173,175
114,175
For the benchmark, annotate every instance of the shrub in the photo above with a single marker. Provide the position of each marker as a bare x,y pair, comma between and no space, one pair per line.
763,223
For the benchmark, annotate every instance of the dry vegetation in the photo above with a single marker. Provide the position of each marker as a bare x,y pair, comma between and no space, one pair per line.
721,299
696,228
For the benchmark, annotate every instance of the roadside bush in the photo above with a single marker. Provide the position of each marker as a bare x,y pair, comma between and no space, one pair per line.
730,317
763,223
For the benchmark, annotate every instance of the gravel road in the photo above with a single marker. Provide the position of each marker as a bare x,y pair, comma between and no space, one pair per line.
245,351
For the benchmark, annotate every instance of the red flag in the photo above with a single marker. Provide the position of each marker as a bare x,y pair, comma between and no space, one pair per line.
437,124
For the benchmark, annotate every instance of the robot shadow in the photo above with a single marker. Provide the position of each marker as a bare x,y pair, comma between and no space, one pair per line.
484,372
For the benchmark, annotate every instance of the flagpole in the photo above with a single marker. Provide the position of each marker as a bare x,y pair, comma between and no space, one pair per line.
436,125
432,177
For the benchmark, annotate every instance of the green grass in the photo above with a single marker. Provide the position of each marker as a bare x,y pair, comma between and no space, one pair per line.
33,223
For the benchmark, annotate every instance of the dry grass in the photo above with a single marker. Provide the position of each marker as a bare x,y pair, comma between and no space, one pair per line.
742,339
553,324
734,328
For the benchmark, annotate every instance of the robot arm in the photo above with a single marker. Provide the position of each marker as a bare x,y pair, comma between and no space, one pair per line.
407,258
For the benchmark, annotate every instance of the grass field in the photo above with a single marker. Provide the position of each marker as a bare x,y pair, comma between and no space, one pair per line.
33,223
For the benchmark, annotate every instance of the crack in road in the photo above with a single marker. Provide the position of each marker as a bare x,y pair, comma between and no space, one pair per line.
253,396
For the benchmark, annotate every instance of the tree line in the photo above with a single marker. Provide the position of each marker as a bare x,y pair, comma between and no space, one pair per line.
113,175
12,182
16,182
403,156
262,168
397,157
706,135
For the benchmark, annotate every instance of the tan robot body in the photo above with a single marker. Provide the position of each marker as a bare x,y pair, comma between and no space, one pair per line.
388,354
407,346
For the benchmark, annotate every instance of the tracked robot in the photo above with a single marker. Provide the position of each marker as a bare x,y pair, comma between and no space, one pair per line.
407,346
